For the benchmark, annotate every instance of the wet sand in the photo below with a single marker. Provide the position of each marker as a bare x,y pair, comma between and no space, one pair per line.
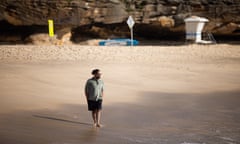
163,95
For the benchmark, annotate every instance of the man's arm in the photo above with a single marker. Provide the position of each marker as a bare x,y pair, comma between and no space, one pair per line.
102,91
102,94
86,90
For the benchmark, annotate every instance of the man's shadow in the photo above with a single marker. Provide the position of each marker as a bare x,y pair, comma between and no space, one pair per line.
62,120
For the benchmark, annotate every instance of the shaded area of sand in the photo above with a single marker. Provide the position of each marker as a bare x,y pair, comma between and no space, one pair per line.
153,95
170,118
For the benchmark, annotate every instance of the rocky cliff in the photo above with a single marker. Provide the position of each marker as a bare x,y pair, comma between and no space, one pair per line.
103,18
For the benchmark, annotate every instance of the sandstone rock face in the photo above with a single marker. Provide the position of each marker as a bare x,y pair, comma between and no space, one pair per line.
166,16
63,12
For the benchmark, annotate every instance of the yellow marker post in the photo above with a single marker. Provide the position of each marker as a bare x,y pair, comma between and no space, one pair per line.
51,28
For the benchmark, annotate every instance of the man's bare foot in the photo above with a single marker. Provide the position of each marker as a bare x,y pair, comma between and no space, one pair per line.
95,125
99,125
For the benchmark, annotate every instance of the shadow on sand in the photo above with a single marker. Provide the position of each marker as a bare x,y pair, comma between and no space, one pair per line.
156,117
63,120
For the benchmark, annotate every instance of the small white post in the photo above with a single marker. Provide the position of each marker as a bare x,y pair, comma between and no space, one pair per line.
131,23
132,36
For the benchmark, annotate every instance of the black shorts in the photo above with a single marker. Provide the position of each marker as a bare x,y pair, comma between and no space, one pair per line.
94,105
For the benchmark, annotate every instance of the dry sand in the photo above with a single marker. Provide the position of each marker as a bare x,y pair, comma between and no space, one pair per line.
153,94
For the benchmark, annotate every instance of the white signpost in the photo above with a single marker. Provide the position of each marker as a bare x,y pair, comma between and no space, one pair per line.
131,23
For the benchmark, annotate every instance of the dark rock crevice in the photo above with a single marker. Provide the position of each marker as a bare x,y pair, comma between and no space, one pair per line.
11,34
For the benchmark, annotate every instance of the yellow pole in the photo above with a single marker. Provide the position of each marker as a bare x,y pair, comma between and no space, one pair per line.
51,28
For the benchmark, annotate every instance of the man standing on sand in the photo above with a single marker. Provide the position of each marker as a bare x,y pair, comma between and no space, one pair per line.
94,95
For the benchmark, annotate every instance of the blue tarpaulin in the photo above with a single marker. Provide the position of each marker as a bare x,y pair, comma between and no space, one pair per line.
118,42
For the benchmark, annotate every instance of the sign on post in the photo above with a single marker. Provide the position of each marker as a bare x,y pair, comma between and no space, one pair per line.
51,28
131,23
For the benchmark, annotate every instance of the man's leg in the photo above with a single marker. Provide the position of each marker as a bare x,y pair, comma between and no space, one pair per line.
98,118
94,116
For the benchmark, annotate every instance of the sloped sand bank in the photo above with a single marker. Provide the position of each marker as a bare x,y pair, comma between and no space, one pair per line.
167,95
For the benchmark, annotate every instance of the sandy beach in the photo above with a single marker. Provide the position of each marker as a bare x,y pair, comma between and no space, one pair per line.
183,94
